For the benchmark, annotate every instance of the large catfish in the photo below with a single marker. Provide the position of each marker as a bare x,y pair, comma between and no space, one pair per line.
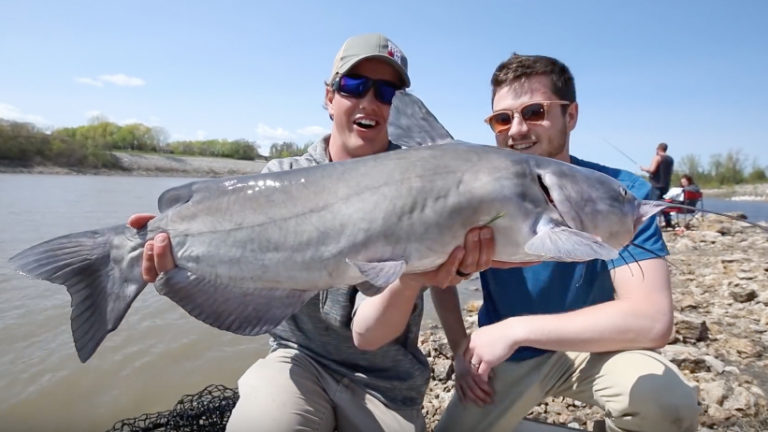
251,250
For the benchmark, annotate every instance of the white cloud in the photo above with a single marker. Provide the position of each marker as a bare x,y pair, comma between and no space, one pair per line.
94,113
201,134
10,112
314,131
121,80
269,134
89,81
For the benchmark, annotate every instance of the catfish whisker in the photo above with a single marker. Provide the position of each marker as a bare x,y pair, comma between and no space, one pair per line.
654,254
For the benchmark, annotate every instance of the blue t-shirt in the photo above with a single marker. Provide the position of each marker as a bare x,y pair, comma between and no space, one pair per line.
556,287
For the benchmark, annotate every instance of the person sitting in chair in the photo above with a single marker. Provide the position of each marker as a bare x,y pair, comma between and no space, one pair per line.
677,194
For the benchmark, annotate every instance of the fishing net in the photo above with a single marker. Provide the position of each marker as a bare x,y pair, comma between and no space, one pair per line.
206,410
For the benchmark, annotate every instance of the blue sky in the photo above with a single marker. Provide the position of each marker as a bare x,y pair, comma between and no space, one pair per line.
690,73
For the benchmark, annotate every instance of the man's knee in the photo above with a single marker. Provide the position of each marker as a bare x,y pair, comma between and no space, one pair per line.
657,402
642,391
281,392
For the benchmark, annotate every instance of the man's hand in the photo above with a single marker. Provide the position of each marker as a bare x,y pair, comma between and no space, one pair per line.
157,257
476,255
470,386
383,317
490,345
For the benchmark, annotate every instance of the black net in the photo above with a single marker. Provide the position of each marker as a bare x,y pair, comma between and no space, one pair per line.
207,410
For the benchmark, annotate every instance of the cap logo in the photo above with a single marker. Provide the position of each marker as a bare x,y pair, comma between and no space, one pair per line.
394,52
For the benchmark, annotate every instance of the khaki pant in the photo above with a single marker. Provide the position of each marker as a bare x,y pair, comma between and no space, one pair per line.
288,391
639,391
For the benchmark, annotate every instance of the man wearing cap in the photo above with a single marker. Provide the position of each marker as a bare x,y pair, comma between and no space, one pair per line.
348,360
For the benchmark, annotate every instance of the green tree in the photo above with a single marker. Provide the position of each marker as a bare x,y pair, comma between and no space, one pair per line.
23,142
285,149
728,169
756,174
689,164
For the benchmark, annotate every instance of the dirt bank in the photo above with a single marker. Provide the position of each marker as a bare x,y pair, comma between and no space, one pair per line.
150,165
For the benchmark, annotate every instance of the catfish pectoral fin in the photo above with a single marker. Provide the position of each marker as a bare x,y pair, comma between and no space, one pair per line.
567,244
246,312
381,274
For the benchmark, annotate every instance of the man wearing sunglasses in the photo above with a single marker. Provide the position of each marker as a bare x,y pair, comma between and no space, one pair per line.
581,330
349,359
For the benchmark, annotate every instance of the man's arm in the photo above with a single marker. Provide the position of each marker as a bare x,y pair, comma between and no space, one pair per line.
640,317
380,319
654,165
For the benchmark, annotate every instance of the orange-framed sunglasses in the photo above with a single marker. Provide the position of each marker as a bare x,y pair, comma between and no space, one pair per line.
531,112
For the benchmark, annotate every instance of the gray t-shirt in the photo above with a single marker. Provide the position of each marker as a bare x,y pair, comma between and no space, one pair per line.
397,373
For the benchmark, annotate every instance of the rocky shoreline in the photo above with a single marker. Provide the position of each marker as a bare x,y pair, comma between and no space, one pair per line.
748,192
719,278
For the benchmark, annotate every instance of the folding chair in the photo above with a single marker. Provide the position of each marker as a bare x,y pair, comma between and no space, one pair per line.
690,198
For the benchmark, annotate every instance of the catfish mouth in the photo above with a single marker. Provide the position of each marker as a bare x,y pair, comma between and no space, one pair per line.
550,199
545,190
562,206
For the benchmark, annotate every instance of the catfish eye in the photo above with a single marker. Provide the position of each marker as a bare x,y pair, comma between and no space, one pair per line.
624,192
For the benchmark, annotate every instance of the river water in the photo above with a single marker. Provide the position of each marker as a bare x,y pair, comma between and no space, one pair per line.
159,352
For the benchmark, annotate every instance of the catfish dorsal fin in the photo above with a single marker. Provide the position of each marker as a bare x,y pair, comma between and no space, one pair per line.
412,124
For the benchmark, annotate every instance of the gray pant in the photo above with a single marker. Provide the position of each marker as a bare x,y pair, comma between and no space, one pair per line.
288,391
639,391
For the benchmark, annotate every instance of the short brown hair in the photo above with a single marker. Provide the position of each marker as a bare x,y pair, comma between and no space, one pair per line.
522,66
663,146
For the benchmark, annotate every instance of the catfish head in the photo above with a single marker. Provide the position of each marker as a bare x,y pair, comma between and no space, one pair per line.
592,202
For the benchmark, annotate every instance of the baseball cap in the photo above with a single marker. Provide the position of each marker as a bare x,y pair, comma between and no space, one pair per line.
371,45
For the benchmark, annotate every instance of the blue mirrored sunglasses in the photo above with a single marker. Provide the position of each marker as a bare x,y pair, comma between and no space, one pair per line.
357,86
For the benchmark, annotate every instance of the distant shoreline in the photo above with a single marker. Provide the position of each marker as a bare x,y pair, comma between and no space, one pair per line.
742,192
151,165
161,165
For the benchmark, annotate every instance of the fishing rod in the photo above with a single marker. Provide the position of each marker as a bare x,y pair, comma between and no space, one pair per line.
660,205
620,151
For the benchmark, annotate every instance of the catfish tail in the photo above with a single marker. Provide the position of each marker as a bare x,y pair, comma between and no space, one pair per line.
102,272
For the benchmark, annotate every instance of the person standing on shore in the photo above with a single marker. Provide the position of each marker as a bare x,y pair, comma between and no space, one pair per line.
660,176
348,360
583,330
